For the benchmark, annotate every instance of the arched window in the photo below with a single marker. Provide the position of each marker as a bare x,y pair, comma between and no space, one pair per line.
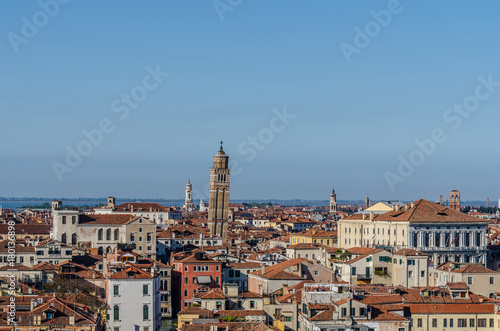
145,312
63,238
116,313
73,239
99,234
116,234
108,250
108,234
100,250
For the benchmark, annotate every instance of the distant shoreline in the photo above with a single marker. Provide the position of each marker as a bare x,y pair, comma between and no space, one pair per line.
16,203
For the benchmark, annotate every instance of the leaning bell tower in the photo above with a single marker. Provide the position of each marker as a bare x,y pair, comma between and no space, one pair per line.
218,203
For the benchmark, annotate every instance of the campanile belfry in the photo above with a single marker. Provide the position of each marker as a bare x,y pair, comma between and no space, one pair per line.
218,204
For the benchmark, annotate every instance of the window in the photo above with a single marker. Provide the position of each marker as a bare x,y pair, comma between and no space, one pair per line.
186,268
117,232
73,219
492,280
64,220
231,273
186,293
116,313
462,323
140,229
132,237
288,318
445,323
419,323
252,304
492,323
145,312
316,272
108,234
63,238
186,280
481,322
434,322
422,273
217,280
469,280
362,311
471,322
145,289
149,237
343,311
237,273
451,322
116,290
411,262
410,274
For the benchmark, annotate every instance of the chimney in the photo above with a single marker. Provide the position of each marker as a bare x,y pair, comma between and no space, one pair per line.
371,216
263,268
397,207
71,319
150,209
364,217
104,266
132,208
412,204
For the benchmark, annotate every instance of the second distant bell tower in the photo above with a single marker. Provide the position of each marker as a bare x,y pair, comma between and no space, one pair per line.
218,203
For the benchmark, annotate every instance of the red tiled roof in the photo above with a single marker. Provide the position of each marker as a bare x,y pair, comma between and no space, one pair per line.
202,312
424,211
108,219
409,252
131,272
213,294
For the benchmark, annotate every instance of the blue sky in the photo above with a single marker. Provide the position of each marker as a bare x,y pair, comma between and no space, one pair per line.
349,123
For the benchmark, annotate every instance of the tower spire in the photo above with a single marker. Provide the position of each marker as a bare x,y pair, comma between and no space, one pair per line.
221,145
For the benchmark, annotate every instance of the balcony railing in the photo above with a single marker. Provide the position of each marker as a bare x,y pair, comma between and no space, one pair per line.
364,276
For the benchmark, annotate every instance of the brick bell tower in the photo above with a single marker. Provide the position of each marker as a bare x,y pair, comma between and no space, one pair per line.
455,200
218,203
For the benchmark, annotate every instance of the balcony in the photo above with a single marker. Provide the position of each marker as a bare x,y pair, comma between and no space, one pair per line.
381,273
364,276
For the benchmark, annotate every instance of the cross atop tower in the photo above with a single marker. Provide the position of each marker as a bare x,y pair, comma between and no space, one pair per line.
221,145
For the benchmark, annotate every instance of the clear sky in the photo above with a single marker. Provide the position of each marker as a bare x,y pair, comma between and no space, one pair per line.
306,96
